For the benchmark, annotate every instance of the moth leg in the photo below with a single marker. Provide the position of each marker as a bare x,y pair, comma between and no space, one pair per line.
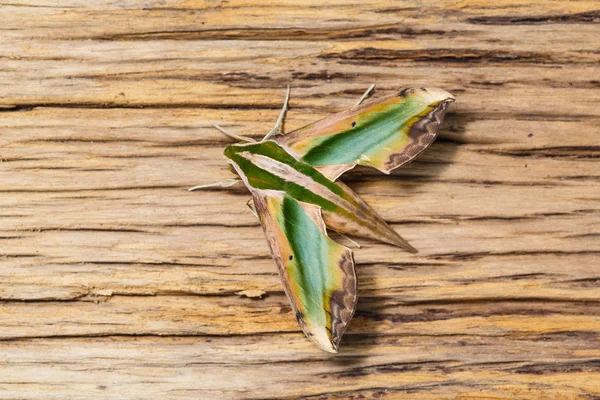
232,135
252,208
348,239
277,126
227,183
364,96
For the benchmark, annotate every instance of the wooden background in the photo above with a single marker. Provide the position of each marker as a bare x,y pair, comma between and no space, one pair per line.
115,282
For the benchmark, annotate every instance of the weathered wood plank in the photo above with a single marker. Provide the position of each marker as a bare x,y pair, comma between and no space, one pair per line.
115,281
230,315
388,367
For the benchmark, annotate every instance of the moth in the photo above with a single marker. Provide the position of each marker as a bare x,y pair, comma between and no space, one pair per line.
297,196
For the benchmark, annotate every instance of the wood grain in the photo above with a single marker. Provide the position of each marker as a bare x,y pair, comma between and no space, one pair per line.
117,282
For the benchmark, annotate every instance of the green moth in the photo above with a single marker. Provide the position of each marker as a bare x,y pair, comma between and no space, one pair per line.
296,196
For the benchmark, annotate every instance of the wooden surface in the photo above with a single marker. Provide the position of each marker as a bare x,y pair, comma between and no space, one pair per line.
115,282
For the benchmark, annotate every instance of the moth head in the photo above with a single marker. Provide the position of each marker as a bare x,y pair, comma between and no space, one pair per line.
231,154
233,149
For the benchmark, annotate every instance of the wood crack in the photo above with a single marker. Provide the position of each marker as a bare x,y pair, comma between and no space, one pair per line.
277,34
590,17
466,57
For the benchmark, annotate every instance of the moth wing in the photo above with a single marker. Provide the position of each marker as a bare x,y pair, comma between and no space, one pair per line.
317,273
385,133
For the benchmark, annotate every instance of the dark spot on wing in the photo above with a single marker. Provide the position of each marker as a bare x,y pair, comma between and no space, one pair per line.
405,92
291,258
353,124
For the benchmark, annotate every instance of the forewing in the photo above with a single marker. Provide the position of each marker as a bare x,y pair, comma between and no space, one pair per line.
317,273
384,134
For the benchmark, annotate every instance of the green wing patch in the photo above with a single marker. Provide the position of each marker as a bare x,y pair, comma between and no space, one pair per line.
317,273
384,134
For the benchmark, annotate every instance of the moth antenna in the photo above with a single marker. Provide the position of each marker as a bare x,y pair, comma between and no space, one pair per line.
224,184
350,240
232,135
364,96
250,205
275,129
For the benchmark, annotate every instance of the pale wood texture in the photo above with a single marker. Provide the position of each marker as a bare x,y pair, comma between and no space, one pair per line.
115,282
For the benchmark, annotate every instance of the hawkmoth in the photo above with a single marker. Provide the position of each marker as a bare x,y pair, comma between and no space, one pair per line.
296,194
